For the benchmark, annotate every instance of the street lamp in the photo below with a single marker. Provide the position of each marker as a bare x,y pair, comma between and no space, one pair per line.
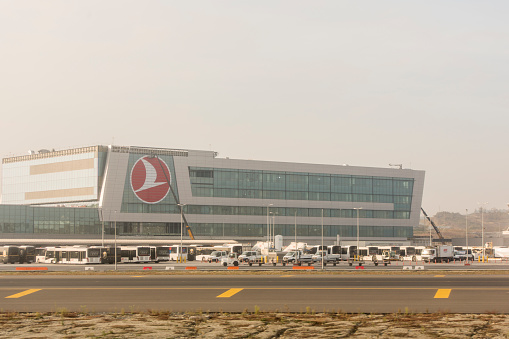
322,240
482,228
268,225
115,225
357,208
181,228
466,232
102,229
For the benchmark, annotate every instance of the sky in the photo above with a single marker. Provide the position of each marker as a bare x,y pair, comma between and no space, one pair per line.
365,83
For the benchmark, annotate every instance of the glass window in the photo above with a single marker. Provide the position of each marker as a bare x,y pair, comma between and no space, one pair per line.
274,181
362,185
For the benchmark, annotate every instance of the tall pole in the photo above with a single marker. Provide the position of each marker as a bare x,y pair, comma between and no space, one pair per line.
466,232
482,230
358,251
115,240
295,230
181,229
102,229
322,240
268,225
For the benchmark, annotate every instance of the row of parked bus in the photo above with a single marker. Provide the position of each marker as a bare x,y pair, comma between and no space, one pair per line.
94,254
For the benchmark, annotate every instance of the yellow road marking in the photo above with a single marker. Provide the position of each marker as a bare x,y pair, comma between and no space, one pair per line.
439,276
286,276
442,294
265,288
137,276
230,292
21,294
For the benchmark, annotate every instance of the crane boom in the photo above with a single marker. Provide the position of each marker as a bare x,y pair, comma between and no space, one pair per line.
188,228
433,224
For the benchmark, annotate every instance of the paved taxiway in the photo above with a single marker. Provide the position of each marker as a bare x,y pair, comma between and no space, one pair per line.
236,293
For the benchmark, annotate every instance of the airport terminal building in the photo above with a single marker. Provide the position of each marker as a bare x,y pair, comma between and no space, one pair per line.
74,192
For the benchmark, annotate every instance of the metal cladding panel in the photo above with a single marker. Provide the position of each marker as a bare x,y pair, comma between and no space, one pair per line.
113,186
52,179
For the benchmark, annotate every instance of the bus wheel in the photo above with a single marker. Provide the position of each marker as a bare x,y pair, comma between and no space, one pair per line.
250,264
274,264
236,263
284,264
225,264
385,264
259,264
349,264
334,264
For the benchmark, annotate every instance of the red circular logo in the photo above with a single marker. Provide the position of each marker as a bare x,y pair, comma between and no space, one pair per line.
148,179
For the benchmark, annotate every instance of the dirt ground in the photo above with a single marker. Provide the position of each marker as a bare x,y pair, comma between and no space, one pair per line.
154,324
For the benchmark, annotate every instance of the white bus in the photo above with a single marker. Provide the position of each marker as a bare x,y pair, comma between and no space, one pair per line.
159,253
134,253
73,255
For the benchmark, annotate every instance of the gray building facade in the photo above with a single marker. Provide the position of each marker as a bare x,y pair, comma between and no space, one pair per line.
70,193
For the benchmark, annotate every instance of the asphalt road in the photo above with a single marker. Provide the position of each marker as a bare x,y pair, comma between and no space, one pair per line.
343,266
231,293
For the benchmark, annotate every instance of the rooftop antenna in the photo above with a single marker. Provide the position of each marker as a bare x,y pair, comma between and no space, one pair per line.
397,165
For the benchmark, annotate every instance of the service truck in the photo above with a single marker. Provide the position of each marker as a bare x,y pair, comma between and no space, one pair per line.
440,253
297,258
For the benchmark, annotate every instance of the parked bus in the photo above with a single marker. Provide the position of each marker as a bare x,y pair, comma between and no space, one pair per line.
9,254
40,254
26,254
135,253
73,255
160,253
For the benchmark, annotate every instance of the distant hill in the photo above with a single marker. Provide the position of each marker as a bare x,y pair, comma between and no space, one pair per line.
452,225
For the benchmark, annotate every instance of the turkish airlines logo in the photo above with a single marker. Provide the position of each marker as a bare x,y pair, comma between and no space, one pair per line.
148,180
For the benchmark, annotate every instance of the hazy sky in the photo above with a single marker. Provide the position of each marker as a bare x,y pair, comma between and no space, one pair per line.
367,83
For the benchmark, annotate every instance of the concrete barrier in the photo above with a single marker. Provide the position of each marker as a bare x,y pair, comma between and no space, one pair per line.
232,267
191,268
89,268
407,267
303,268
169,268
359,267
147,268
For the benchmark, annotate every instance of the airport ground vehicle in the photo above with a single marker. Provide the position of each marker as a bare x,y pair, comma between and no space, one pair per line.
441,253
251,257
297,258
231,259
9,254
217,256
134,254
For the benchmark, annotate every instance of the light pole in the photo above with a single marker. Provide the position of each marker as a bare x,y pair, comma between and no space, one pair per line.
466,231
322,240
268,225
296,231
181,228
482,229
357,208
102,229
115,225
